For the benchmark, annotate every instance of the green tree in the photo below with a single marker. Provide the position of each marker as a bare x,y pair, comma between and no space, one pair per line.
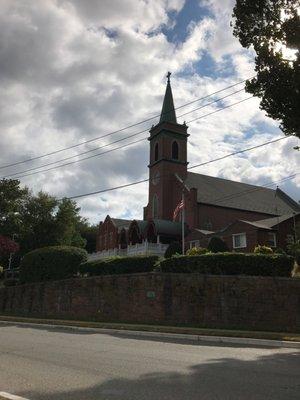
12,198
68,222
38,220
38,227
272,29
89,233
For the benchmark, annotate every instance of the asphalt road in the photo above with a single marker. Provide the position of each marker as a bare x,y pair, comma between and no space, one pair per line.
55,363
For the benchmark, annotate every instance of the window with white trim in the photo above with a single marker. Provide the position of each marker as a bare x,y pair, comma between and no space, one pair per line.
239,240
272,239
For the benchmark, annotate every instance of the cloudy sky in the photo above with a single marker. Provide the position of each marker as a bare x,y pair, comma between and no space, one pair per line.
74,70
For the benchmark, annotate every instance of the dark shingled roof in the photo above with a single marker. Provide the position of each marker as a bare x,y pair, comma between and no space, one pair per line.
121,223
242,196
271,222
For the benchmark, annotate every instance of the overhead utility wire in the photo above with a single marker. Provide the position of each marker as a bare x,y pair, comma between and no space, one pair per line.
116,148
146,180
119,130
116,141
254,189
194,166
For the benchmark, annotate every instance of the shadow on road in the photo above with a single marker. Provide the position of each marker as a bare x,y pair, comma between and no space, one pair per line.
275,377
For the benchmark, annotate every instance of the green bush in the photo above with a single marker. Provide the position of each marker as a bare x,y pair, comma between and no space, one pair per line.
196,251
51,263
118,265
297,256
172,249
217,245
230,264
263,250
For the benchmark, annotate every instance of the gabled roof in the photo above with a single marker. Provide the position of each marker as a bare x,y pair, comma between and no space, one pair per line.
241,196
121,223
271,222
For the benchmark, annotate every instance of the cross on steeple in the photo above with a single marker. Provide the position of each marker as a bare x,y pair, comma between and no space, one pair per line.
168,110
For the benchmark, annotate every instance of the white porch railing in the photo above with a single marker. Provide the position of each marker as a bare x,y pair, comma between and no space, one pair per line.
138,249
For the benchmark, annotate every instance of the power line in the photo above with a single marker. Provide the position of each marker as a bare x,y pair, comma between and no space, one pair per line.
116,141
239,152
194,166
140,140
83,159
146,180
254,189
119,130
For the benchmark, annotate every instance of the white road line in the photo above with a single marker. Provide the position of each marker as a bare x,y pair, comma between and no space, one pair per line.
11,396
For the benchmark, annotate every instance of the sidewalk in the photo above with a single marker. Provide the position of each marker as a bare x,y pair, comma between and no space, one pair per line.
259,338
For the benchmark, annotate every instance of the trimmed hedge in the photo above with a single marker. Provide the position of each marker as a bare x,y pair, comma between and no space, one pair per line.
230,264
196,251
51,263
119,265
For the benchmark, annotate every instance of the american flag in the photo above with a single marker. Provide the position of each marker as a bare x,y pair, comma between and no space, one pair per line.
179,207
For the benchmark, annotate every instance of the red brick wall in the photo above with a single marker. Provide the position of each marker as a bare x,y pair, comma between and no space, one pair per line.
284,229
258,303
220,217
107,237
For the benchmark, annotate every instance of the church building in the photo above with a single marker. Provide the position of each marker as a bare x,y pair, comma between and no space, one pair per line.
243,215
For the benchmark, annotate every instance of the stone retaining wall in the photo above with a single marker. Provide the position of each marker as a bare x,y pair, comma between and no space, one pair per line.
257,303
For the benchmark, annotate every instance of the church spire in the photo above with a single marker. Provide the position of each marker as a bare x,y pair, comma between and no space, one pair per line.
168,112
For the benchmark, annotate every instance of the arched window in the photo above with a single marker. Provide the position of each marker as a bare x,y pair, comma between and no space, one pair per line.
155,206
175,150
156,152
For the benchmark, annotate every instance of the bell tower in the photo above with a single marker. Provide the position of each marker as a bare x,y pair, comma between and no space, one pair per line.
168,156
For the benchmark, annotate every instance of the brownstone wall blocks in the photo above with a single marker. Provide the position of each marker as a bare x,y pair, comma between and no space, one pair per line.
255,303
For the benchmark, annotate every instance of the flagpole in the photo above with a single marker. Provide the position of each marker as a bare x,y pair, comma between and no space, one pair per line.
182,222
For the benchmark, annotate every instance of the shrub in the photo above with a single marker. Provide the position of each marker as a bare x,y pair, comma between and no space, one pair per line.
230,264
263,250
217,245
297,256
196,251
296,270
173,248
51,263
119,265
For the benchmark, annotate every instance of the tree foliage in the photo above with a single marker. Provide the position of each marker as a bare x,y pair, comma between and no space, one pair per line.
272,29
38,220
7,246
217,245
